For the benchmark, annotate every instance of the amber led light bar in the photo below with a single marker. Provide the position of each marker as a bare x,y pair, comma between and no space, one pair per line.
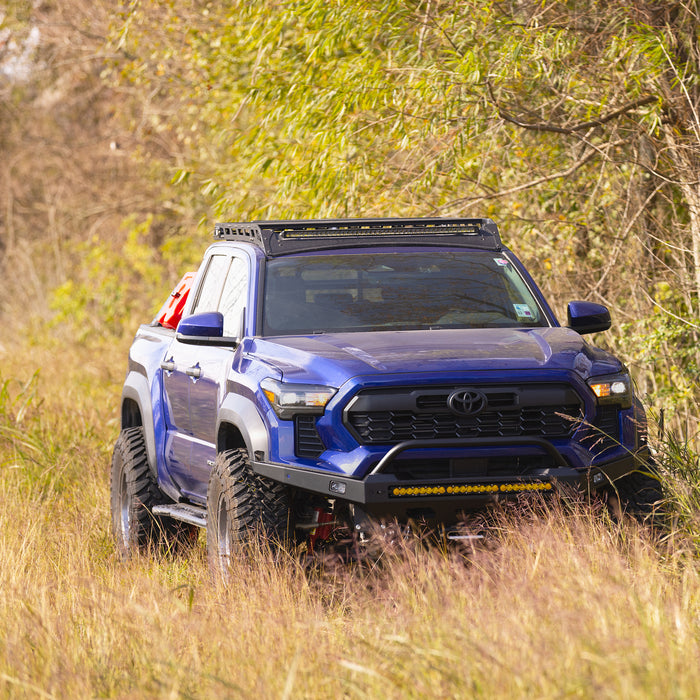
459,489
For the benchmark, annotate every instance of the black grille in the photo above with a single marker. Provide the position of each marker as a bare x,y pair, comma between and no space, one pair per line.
395,426
307,442
388,416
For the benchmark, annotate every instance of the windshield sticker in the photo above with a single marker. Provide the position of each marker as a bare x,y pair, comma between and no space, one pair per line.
501,261
523,311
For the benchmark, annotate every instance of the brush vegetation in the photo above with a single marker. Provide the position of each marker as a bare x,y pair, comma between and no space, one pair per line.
127,131
557,601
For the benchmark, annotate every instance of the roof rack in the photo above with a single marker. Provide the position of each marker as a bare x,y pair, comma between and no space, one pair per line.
283,237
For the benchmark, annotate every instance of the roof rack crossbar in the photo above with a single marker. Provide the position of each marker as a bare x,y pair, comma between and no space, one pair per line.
283,237
249,232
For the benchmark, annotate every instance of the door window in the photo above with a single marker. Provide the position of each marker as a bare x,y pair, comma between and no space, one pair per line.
210,291
233,298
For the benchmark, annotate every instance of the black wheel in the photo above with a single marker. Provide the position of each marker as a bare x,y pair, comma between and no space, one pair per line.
133,493
241,506
638,494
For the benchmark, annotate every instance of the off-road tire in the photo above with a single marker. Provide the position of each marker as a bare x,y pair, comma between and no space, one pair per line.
639,495
243,507
133,493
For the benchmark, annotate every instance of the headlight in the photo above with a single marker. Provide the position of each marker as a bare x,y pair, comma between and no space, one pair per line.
290,399
612,389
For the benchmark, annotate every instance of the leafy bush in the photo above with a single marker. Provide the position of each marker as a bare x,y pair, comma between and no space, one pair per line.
114,287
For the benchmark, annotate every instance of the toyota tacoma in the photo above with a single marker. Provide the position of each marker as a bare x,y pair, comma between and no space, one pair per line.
364,370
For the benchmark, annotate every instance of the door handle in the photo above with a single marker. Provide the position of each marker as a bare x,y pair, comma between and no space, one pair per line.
168,365
195,371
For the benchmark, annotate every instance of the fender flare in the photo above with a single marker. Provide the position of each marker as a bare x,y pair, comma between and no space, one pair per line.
243,414
136,389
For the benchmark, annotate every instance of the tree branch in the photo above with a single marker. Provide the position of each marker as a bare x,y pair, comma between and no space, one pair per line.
533,183
578,127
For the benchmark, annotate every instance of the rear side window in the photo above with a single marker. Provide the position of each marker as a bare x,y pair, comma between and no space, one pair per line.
233,297
224,289
210,290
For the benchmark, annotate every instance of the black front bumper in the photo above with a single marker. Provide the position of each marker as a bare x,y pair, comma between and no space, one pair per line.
382,492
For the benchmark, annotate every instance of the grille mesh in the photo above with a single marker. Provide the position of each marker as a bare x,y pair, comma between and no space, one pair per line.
430,420
380,427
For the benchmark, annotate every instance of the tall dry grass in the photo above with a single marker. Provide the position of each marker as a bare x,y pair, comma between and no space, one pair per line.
556,602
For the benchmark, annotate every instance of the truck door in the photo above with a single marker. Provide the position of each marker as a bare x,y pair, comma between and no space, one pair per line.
207,393
199,372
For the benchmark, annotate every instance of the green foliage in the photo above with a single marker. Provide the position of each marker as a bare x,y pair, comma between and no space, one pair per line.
26,445
15,13
16,405
666,345
680,470
310,107
113,284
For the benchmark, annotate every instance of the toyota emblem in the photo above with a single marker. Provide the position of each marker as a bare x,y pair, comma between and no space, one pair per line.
466,402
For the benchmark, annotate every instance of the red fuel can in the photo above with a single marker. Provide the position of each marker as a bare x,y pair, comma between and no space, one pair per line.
171,312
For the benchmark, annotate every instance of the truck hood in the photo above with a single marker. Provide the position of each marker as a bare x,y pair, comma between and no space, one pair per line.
332,359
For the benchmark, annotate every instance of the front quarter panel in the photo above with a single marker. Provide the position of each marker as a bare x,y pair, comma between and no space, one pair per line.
143,387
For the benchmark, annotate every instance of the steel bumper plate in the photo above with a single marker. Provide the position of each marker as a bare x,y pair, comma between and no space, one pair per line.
387,489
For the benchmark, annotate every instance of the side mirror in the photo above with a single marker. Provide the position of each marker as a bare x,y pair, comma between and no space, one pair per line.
208,324
587,317
204,329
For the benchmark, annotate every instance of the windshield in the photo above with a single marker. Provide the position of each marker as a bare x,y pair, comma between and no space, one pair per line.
426,289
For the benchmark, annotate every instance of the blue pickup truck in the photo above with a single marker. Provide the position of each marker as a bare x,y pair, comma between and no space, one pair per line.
364,369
